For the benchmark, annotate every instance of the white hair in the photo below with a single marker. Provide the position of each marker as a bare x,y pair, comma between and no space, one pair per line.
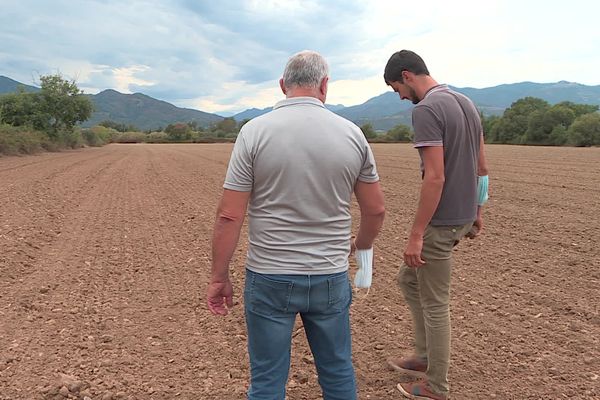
305,69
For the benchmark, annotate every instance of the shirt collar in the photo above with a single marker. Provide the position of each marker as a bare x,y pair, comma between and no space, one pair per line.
292,101
436,88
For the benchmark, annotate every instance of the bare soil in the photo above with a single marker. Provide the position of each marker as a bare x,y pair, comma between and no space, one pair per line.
105,256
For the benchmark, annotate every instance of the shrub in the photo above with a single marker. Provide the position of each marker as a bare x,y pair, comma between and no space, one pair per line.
130,137
178,132
70,139
399,133
585,131
368,131
157,137
98,135
21,140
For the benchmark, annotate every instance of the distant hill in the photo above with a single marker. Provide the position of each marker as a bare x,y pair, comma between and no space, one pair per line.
379,111
251,113
143,111
8,85
383,111
255,112
502,96
136,109
386,110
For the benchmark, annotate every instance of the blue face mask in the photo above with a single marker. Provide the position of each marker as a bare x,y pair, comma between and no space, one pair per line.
482,190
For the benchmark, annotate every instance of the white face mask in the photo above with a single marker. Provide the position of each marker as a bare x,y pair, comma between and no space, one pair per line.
364,261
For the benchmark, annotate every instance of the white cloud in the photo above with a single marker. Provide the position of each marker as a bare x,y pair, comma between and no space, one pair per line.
246,96
126,77
352,92
228,55
291,8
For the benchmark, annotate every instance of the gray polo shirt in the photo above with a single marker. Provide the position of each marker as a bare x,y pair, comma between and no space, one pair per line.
449,119
301,162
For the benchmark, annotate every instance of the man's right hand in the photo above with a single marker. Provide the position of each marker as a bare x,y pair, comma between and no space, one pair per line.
412,253
219,296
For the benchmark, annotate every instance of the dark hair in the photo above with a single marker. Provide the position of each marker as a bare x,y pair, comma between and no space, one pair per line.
403,60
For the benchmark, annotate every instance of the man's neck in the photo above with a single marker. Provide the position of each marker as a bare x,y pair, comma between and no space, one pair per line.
423,84
305,92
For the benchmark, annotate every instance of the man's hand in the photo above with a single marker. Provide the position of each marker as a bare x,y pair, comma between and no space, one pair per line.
477,226
219,297
476,229
352,245
412,254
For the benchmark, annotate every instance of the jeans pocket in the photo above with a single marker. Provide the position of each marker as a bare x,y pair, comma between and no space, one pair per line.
269,295
340,292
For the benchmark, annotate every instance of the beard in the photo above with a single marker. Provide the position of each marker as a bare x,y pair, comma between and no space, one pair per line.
413,96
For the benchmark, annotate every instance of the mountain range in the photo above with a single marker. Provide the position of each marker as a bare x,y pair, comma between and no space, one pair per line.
382,112
8,85
143,111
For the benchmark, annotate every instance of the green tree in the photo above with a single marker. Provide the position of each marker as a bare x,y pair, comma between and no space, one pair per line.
513,125
579,109
559,135
62,103
585,130
226,125
22,109
368,131
399,133
542,123
118,126
178,132
488,124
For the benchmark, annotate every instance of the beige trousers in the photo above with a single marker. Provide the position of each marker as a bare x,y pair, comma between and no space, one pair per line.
427,292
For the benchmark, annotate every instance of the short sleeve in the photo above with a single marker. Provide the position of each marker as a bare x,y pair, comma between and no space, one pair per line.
368,170
428,128
240,175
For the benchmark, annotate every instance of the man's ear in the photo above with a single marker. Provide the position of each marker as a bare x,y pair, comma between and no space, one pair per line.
407,76
281,85
324,85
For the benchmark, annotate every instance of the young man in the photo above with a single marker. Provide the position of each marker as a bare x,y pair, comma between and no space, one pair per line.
298,167
448,136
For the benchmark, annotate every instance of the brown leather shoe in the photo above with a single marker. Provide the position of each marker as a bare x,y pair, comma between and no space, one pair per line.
413,365
419,391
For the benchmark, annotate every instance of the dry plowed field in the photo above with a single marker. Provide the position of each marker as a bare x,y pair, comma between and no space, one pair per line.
104,260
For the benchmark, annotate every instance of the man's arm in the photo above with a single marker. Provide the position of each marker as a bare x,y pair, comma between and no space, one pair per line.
372,213
431,192
228,224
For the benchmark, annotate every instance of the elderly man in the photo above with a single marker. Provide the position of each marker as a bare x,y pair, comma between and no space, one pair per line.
297,167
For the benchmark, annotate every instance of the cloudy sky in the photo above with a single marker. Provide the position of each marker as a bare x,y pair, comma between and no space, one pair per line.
224,56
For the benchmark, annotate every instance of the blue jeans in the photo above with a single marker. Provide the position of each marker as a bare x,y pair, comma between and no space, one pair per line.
323,302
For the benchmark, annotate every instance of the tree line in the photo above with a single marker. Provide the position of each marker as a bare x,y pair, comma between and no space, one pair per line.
534,121
225,130
48,120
